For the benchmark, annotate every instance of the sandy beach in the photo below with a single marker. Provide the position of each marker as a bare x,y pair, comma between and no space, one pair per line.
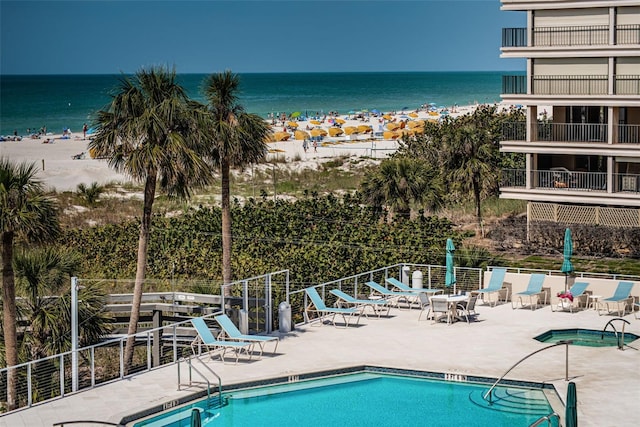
65,163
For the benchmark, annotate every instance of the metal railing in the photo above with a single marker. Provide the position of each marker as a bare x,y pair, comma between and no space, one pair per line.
514,37
572,132
188,360
569,85
566,366
619,339
514,131
584,35
628,34
627,84
467,279
628,134
547,418
85,368
514,84
553,179
626,182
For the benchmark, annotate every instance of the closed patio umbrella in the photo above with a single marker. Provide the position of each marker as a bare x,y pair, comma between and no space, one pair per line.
567,266
450,278
571,406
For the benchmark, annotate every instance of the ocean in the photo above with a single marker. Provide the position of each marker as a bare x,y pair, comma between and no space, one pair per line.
69,101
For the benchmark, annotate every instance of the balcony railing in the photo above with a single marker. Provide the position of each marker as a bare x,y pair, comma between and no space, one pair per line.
514,131
588,35
627,85
514,84
628,34
567,132
556,179
570,85
629,134
514,37
625,182
572,132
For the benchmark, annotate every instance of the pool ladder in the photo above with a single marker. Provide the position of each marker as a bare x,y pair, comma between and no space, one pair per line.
619,339
220,401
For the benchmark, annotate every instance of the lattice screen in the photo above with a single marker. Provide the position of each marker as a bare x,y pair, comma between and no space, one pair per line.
596,215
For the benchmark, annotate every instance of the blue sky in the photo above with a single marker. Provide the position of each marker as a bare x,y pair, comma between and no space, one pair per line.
102,37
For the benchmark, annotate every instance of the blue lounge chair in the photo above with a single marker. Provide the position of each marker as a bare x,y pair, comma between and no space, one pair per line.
408,297
534,290
206,338
318,306
495,286
578,295
401,287
233,333
377,305
621,298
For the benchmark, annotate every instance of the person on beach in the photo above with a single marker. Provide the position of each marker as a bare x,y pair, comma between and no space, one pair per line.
305,145
84,131
315,146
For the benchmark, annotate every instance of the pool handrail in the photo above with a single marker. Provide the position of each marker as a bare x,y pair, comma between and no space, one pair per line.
566,376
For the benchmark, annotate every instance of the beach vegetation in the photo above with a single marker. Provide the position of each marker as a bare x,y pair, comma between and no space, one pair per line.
149,131
237,139
27,215
467,150
90,194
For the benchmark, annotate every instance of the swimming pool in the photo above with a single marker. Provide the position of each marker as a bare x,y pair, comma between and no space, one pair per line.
368,398
585,337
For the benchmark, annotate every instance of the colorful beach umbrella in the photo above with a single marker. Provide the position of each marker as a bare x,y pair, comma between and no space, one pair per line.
567,266
450,278
295,114
571,406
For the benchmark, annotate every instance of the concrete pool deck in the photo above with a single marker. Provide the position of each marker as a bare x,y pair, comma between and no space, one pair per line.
607,379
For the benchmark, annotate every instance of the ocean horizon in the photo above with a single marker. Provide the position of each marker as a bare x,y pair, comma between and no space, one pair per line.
30,102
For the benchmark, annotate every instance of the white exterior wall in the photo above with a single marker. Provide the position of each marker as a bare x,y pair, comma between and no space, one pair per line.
570,17
628,66
570,67
628,15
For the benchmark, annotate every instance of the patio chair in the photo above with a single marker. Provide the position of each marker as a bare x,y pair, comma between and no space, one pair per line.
578,295
401,287
408,297
230,330
425,305
441,306
206,338
621,298
468,308
347,301
318,306
635,312
533,291
495,286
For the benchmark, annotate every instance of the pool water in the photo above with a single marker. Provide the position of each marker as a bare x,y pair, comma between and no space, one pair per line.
368,399
585,337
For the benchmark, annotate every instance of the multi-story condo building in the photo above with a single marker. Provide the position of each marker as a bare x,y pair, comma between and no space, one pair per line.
581,137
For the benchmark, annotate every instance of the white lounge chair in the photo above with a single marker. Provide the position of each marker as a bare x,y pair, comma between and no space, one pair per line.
533,291
345,300
620,299
318,306
495,286
230,330
578,297
206,338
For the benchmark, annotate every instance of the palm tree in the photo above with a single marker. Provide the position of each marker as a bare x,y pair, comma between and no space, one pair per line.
473,155
25,211
149,132
237,140
401,183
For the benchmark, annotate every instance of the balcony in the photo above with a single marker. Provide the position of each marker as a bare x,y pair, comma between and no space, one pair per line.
562,179
588,35
556,180
570,85
570,36
514,37
565,132
628,134
627,85
514,84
